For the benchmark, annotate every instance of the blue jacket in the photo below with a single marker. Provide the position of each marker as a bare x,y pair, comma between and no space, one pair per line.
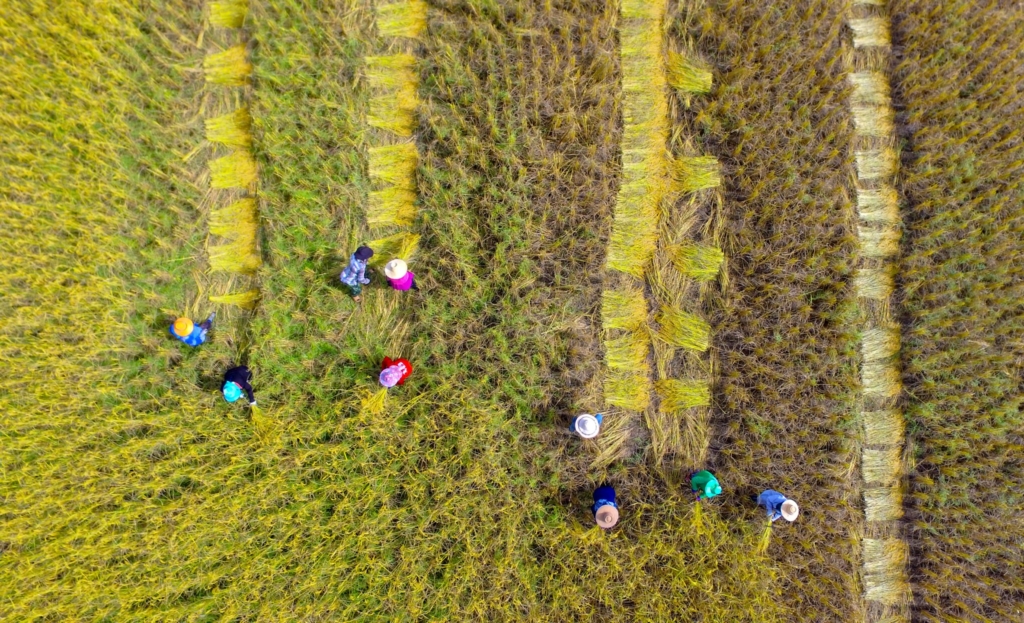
355,272
197,337
603,496
772,501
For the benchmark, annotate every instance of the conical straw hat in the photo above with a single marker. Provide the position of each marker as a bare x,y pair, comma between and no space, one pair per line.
587,426
607,516
396,269
790,510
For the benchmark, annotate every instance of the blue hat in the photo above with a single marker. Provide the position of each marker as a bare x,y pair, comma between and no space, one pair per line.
232,391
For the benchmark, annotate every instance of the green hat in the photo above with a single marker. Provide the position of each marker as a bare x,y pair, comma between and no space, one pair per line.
712,488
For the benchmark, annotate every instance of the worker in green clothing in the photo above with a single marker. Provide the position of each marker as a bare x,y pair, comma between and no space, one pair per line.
704,484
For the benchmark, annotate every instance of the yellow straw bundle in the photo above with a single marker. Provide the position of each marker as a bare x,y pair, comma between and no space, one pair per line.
623,308
684,329
697,173
677,396
228,13
236,170
392,206
402,245
402,19
229,68
245,300
687,74
232,129
394,164
701,262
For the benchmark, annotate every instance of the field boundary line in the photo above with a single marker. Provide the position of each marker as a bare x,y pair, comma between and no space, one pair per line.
884,551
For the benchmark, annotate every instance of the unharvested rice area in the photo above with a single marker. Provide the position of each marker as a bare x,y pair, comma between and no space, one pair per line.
962,279
785,336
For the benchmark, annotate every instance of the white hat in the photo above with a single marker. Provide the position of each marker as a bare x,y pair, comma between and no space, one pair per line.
395,269
790,510
607,516
587,426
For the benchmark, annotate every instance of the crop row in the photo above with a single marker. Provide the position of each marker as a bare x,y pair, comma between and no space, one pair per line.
961,278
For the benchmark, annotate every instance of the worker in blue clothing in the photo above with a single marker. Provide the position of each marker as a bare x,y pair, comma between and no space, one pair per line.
606,511
778,505
236,382
190,333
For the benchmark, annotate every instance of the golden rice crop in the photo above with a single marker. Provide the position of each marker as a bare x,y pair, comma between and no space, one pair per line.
231,130
628,352
235,170
678,395
405,18
391,206
394,164
683,329
245,300
228,68
697,173
228,13
687,74
628,390
623,308
701,262
402,245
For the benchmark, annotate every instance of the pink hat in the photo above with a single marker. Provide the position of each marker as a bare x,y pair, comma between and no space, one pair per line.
390,376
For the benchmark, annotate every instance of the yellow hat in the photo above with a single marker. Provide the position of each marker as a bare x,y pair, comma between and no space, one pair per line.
183,327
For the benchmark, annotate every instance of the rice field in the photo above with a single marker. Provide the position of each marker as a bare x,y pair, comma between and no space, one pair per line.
779,241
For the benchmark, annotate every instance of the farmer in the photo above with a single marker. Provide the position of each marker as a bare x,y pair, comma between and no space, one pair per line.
354,275
704,484
190,333
778,505
394,372
586,426
236,381
606,512
397,272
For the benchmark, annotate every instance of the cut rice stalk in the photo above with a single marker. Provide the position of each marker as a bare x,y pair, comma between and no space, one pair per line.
623,308
236,170
885,427
701,262
883,503
228,13
885,575
628,352
386,116
875,163
879,205
874,283
678,395
238,256
870,88
870,31
245,300
394,71
687,74
697,173
391,206
232,129
225,220
882,342
230,67
402,245
877,121
881,466
402,19
881,379
683,329
879,243
394,164
629,391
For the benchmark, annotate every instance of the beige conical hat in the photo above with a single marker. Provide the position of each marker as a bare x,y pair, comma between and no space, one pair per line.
790,511
396,269
607,516
587,426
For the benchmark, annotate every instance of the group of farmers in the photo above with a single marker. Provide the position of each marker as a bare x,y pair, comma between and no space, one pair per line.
395,371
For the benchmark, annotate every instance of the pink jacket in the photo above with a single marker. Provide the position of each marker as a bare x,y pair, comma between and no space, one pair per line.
404,283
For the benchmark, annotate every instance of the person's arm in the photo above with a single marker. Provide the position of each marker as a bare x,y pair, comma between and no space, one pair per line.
248,391
362,273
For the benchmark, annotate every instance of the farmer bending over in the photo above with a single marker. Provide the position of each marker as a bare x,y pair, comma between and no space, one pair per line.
236,380
399,276
778,505
394,372
190,333
704,484
606,511
354,275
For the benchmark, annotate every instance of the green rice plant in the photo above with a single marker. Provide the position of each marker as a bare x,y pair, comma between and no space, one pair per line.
229,68
228,13
683,329
885,578
236,170
232,129
405,18
391,206
883,503
870,31
875,164
245,300
628,352
870,88
401,245
878,205
874,283
627,390
701,262
678,395
885,427
394,164
623,308
881,466
697,173
687,74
